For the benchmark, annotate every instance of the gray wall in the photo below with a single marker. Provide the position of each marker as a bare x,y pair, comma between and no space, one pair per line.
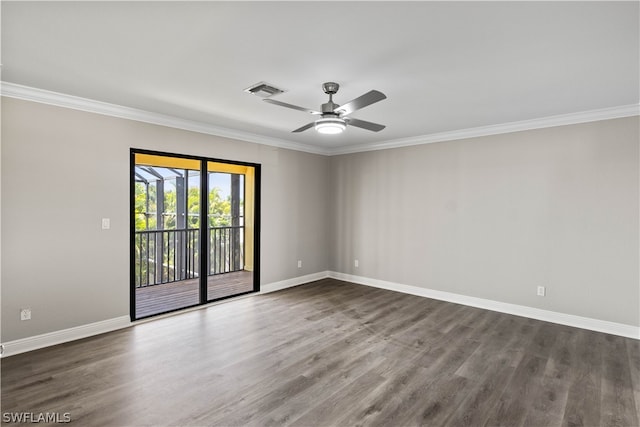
495,217
63,170
489,217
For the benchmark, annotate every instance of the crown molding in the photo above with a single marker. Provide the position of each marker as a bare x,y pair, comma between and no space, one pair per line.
523,125
42,96
17,91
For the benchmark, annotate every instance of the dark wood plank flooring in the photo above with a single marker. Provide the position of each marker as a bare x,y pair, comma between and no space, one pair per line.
171,296
332,353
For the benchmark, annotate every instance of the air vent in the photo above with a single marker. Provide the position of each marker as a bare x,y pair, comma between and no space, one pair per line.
263,90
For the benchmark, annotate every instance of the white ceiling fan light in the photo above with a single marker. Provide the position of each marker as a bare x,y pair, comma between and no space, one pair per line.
330,126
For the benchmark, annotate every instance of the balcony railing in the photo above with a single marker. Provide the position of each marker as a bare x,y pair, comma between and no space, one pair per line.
164,256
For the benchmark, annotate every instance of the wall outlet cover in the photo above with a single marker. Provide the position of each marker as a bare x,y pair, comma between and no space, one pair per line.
25,314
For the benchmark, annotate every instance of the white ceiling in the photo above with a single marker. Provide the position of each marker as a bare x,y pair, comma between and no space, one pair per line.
444,66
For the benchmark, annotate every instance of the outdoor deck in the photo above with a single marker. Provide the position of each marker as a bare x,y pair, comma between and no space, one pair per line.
171,296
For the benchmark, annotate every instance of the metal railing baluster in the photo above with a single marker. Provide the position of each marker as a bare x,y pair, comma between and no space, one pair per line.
226,253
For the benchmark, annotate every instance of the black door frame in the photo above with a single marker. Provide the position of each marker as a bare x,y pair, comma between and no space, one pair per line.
204,201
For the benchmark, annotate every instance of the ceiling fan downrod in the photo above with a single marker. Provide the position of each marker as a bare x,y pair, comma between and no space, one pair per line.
330,88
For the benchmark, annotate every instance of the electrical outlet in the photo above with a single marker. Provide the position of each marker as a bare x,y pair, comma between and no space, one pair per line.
299,263
25,314
356,263
541,291
106,223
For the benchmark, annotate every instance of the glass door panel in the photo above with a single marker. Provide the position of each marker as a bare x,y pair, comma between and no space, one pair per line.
230,230
166,236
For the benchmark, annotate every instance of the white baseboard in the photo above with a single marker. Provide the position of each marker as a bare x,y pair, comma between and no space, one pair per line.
58,337
597,325
23,345
288,283
66,335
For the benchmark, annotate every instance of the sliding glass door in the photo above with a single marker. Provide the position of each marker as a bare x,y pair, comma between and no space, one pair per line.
183,207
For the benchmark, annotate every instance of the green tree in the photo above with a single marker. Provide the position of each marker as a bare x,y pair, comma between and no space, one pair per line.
219,209
146,216
193,208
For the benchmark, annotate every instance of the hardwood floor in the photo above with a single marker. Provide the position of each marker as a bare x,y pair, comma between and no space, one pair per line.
332,353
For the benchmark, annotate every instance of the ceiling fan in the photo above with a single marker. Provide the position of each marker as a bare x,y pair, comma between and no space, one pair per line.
333,116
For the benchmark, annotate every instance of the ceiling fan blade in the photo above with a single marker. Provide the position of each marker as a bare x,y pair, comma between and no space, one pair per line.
294,107
375,127
303,128
368,98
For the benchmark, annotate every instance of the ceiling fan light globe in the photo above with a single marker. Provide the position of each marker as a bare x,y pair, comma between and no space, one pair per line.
330,126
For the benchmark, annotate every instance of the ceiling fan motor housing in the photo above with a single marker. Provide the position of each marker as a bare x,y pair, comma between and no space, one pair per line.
328,109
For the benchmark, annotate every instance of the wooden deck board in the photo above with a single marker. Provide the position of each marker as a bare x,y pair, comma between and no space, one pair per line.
157,299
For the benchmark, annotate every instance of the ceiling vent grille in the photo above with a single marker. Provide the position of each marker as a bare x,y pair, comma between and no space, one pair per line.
264,90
